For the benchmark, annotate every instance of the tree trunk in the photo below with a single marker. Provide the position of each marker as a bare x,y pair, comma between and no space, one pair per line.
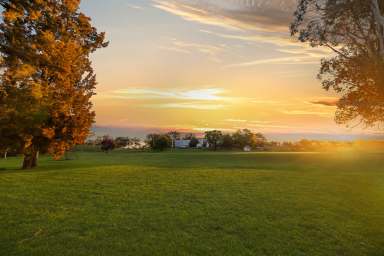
30,159
5,154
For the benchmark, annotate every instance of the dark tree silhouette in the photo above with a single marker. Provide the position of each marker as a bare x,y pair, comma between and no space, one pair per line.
108,144
214,138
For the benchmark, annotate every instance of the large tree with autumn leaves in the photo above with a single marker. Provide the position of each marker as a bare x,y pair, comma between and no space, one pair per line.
47,80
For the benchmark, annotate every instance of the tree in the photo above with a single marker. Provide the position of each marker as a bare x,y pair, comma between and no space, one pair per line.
108,144
259,140
175,135
193,142
227,141
354,31
243,138
213,138
159,142
189,136
47,79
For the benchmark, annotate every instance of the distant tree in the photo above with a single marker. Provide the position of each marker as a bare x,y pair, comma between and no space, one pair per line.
309,145
259,140
273,146
243,138
159,142
188,136
193,142
46,79
213,138
354,31
107,144
174,135
227,141
122,142
287,146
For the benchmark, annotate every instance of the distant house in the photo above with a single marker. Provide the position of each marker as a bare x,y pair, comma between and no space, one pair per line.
183,144
138,145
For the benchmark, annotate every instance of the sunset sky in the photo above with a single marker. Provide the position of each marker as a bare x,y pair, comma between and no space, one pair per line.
197,65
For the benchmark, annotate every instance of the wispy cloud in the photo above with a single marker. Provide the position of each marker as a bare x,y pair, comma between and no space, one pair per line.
255,21
284,43
133,6
300,60
209,94
236,120
293,52
303,49
188,12
197,99
247,15
210,50
275,38
187,105
308,113
266,126
328,102
207,129
260,122
256,122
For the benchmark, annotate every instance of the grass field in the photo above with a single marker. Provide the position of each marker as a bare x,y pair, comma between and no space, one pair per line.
194,203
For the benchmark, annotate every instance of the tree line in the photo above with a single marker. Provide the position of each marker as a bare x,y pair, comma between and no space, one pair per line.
107,143
213,140
217,140
161,141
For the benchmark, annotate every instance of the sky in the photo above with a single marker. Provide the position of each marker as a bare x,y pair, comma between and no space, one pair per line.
198,65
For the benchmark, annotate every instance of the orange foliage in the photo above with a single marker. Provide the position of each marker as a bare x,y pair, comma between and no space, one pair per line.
48,79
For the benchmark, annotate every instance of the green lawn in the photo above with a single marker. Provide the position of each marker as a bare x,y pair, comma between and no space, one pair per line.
194,203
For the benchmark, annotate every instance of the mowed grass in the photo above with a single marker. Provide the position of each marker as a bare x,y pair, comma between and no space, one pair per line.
194,203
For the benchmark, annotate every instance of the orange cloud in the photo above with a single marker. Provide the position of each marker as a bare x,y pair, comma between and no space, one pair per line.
329,102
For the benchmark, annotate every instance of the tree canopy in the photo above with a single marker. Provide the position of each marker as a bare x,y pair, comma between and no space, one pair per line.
213,138
159,142
354,31
47,79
